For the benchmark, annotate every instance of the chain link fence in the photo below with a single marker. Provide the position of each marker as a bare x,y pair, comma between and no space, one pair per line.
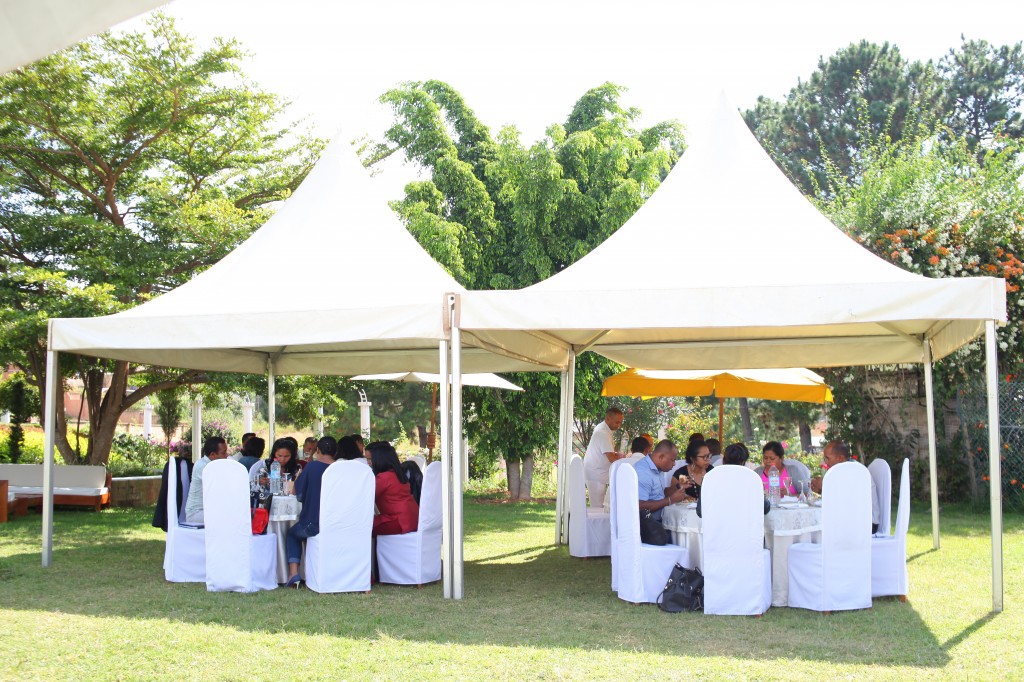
972,409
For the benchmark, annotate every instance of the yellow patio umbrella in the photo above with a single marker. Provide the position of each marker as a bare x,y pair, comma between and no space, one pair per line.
794,383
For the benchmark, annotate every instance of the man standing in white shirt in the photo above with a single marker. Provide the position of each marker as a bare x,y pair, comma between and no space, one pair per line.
600,455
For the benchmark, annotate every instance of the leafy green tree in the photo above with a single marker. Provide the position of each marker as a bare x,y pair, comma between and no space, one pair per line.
820,122
21,400
499,214
128,163
170,410
984,91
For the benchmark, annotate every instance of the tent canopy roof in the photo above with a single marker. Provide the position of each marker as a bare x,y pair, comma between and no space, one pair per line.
367,296
729,265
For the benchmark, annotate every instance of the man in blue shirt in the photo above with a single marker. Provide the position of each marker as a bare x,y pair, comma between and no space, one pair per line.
653,493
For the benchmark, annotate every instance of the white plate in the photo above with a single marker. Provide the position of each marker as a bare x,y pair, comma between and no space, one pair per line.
792,505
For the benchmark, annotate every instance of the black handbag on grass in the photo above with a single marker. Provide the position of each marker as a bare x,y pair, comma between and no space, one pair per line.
684,591
651,530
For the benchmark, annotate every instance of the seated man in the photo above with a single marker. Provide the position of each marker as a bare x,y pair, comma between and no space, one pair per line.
214,448
652,492
837,452
640,446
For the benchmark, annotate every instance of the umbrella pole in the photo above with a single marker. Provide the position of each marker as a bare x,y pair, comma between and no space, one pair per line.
433,415
721,416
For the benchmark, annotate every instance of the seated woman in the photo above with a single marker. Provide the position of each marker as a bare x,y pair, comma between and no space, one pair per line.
698,464
284,453
399,512
252,452
774,455
348,448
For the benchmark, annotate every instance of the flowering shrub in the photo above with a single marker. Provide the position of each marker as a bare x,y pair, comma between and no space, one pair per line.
212,428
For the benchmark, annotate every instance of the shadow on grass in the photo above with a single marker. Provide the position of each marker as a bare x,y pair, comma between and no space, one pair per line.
968,631
520,592
921,554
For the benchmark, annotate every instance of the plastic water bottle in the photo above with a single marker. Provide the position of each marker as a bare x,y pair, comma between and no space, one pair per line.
773,486
275,478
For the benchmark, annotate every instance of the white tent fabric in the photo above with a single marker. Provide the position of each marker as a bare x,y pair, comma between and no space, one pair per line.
249,306
486,379
739,270
32,29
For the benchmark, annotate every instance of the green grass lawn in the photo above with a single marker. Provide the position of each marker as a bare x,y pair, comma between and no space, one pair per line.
103,611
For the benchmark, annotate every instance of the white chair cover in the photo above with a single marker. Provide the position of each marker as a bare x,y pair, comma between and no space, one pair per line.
881,475
415,558
667,475
642,569
590,531
611,514
889,554
185,551
737,567
338,559
716,460
421,462
836,575
236,560
796,469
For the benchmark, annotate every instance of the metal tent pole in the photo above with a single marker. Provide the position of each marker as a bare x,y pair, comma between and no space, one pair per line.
446,474
570,401
561,458
933,475
271,402
994,467
458,591
53,384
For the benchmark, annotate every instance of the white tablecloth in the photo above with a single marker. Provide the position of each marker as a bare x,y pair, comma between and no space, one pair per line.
284,512
782,527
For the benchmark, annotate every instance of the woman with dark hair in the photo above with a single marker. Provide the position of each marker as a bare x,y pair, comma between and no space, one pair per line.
774,455
399,512
698,464
252,452
348,449
284,453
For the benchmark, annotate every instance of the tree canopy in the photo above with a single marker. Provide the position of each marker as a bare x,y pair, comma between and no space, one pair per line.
128,163
498,213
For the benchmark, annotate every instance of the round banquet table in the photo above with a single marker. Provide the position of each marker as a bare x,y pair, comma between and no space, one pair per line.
782,528
284,512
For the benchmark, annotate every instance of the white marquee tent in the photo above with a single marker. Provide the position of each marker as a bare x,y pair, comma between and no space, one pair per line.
370,299
728,265
32,29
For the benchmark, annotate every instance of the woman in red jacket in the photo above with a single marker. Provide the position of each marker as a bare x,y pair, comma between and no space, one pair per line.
399,512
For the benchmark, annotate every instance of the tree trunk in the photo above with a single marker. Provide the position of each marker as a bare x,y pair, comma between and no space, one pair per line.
805,436
748,430
421,435
526,479
512,470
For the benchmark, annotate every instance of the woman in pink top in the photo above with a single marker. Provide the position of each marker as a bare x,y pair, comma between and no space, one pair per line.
774,455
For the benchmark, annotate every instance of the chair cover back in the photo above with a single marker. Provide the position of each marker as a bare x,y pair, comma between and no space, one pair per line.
889,554
626,533
667,475
797,470
846,537
716,460
732,507
587,528
420,460
611,499
185,549
233,562
881,474
415,558
338,559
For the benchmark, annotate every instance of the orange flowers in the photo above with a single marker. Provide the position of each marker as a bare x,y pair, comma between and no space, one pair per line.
934,260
